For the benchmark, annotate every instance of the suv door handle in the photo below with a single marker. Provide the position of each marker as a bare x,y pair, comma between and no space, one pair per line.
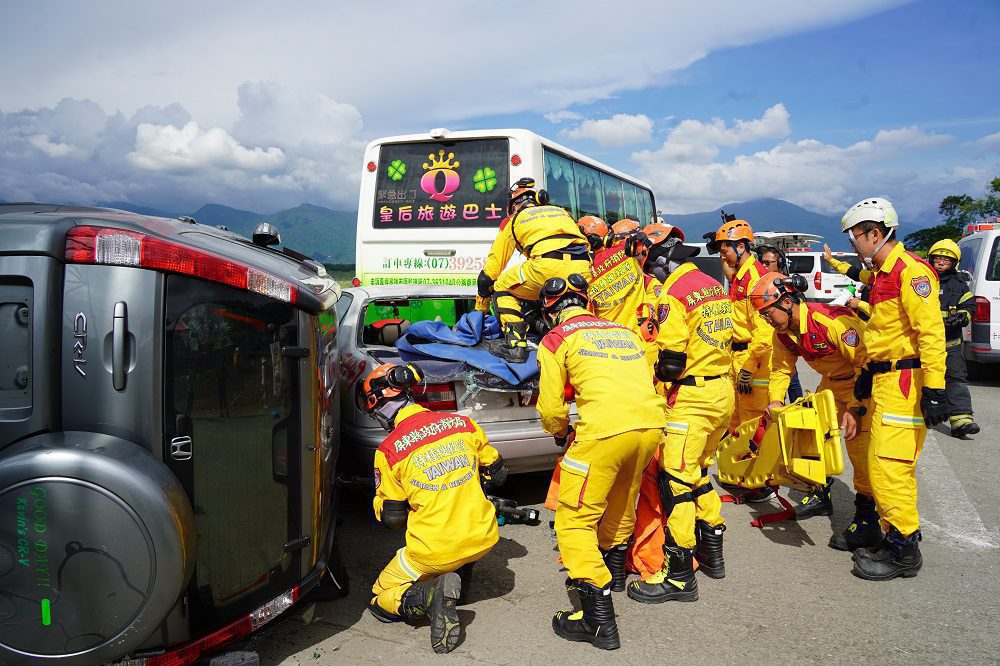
119,336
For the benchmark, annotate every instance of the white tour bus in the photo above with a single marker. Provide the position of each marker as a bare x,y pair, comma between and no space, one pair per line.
431,203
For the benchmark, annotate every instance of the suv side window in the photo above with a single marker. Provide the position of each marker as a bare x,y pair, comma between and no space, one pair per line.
343,304
801,263
231,389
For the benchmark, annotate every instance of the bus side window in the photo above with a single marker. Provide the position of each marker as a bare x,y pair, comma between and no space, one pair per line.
632,203
613,203
590,195
559,182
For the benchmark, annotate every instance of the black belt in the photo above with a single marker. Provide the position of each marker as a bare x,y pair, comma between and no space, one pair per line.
841,379
691,380
741,346
878,367
568,252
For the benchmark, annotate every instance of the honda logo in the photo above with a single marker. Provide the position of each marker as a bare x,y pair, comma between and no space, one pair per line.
180,448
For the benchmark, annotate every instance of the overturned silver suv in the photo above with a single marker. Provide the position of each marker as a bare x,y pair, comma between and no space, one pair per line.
169,419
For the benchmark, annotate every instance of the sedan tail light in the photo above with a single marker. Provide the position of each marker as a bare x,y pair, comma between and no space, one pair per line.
436,397
982,313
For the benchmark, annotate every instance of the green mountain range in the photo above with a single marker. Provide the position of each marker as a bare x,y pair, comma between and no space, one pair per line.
328,235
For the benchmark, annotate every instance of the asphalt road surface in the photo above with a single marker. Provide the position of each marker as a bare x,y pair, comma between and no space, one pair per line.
786,598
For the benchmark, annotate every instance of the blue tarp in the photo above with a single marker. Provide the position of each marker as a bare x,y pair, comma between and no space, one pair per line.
464,342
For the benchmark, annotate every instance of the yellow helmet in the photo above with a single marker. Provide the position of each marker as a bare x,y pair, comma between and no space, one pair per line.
945,248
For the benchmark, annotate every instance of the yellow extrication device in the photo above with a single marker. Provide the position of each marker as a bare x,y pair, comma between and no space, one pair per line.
800,448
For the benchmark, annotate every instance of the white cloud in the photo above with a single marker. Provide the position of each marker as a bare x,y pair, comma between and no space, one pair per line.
398,63
563,116
43,143
807,172
620,129
695,141
190,148
989,143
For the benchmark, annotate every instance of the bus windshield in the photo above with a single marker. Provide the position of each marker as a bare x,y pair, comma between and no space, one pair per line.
455,184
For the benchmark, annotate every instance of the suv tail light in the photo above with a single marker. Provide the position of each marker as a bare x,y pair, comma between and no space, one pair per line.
119,247
982,313
436,397
818,280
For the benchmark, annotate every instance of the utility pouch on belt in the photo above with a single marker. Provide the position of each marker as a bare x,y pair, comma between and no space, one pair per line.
573,481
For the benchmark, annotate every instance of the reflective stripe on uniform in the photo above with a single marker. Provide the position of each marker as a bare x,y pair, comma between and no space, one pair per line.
575,465
952,343
405,564
902,418
677,428
761,382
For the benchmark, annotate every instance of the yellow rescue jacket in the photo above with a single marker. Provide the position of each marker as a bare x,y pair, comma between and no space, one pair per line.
830,338
533,231
906,315
618,288
605,365
432,460
695,317
748,325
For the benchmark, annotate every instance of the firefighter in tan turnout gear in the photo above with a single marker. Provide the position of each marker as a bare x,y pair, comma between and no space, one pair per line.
602,361
428,476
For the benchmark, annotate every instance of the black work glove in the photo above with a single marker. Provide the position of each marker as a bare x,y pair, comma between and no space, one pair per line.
957,319
494,475
568,438
744,382
934,405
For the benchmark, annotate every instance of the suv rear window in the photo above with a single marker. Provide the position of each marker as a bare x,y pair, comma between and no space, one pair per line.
386,320
993,263
801,263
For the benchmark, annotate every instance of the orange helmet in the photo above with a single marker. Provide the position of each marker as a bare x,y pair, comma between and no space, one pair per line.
386,382
625,227
735,230
661,231
523,192
591,224
772,287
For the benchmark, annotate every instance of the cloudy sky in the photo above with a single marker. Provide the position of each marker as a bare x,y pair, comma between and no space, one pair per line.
263,106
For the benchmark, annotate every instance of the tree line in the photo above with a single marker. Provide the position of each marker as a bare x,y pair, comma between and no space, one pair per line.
957,211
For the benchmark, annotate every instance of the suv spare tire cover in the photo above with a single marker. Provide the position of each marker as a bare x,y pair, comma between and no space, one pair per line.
96,546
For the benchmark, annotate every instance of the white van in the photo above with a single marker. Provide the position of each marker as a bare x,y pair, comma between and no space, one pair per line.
980,248
825,283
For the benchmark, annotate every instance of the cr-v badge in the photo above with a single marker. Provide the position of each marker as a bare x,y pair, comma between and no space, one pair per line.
79,343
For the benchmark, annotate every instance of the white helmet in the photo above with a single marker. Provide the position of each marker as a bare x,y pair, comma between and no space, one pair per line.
870,210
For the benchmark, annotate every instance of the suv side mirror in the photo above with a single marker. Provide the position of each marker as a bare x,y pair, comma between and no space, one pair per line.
265,234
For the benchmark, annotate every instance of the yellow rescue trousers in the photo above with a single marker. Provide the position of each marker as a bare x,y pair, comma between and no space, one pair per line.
857,448
597,490
697,419
525,281
897,437
753,405
403,570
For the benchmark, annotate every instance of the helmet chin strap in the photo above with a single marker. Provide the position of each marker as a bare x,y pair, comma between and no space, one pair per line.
867,260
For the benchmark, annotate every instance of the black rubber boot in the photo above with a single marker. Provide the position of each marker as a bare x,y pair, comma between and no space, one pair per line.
515,347
595,623
675,582
966,429
436,599
614,560
864,531
899,557
708,552
816,503
758,495
465,573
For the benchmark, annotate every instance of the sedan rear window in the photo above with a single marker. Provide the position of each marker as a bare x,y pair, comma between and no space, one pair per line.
386,319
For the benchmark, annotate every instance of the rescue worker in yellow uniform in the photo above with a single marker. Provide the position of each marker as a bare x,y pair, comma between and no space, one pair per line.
595,230
429,478
751,334
694,340
831,340
906,365
601,361
619,290
957,308
553,246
